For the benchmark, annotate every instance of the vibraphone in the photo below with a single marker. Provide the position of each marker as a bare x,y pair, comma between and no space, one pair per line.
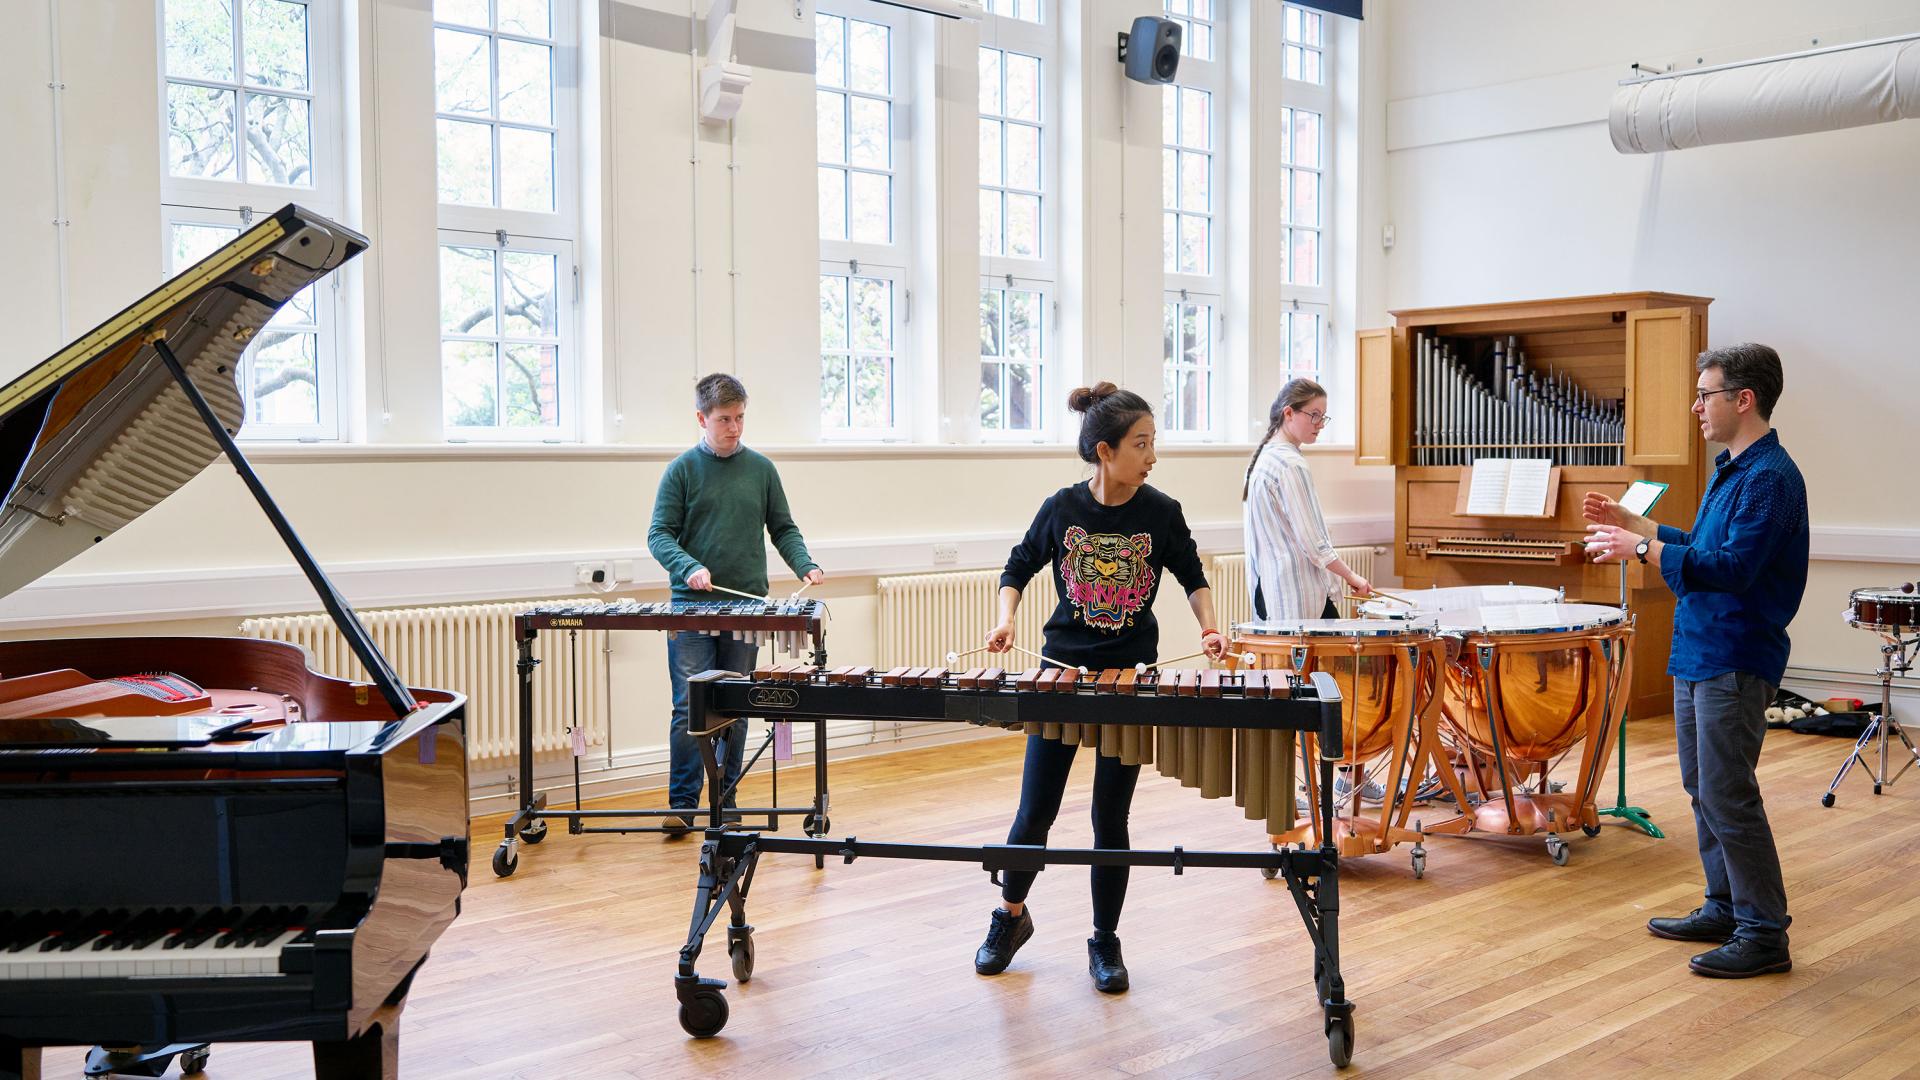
1163,709
793,627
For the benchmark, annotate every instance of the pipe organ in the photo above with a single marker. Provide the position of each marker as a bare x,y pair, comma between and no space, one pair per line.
1599,386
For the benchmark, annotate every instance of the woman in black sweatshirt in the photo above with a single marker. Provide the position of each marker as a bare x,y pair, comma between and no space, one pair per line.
1109,540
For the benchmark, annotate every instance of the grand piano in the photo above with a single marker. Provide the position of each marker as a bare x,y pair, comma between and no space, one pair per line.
207,841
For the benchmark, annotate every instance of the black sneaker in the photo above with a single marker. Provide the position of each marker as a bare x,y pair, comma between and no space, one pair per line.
1742,959
1005,934
1692,927
1104,964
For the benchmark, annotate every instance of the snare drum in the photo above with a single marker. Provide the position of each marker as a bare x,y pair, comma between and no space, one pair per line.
1893,607
1458,598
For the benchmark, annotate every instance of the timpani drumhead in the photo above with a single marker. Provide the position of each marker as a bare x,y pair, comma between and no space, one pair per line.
1457,598
1331,628
1520,619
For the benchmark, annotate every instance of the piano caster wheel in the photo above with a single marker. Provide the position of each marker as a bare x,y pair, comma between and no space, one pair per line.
704,1014
1590,830
1559,851
534,833
1271,872
505,860
740,951
195,1061
1827,799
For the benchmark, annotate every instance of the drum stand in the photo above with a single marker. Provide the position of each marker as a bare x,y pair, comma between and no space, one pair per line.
1896,658
1633,815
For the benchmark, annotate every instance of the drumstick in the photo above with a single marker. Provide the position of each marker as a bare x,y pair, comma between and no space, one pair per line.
1388,595
954,657
796,593
1043,657
1245,658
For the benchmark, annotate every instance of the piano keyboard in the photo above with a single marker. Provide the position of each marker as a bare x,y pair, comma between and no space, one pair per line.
165,943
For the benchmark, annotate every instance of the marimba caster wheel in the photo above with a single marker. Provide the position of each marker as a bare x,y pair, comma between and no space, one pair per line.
535,832
1558,850
195,1061
704,1013
1590,830
1340,1041
1271,872
505,860
740,951
1827,799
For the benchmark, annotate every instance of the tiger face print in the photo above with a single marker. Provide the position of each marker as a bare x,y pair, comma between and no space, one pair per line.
1107,577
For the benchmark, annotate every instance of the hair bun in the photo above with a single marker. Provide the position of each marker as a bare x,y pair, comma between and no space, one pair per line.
1086,397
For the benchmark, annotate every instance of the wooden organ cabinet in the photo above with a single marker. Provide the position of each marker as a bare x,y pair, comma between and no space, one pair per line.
1601,385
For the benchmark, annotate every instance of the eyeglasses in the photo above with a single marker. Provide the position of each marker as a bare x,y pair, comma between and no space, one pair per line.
1700,396
1319,419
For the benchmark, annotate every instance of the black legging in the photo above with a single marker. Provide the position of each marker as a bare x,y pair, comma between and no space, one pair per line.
1042,783
1260,606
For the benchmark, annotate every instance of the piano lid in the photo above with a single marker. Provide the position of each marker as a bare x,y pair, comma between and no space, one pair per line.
98,433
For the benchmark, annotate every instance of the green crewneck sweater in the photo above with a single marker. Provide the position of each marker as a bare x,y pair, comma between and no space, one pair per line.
709,512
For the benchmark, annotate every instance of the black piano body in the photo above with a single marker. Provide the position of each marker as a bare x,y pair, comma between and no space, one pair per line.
208,840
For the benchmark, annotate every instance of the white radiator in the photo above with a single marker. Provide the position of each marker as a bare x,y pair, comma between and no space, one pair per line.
470,648
1228,576
924,616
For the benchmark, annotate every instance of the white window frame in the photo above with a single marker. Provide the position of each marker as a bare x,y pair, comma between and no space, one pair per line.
526,230
1299,95
894,261
1045,365
567,384
1210,288
223,203
901,402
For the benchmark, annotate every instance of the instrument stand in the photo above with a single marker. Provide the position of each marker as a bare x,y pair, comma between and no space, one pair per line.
1633,815
1897,656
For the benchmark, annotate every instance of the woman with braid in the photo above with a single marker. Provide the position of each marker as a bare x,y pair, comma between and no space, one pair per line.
1292,570
1109,541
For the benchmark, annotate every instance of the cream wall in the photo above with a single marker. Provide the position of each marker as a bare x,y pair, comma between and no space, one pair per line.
1502,185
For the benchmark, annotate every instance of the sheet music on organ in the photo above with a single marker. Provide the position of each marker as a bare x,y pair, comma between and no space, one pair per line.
1510,487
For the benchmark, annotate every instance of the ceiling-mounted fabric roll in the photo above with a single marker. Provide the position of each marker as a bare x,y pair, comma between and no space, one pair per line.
1349,8
1840,87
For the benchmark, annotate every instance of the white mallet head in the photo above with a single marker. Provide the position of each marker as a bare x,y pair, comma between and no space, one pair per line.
1140,668
952,658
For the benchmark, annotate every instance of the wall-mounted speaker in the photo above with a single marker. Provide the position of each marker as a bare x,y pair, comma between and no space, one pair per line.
1151,50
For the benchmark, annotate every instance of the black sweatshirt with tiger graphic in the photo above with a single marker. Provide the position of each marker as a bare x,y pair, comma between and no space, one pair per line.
1107,564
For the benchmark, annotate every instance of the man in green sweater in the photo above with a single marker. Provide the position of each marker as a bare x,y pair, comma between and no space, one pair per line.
707,520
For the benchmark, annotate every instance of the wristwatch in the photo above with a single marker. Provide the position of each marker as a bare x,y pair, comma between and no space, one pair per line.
1640,549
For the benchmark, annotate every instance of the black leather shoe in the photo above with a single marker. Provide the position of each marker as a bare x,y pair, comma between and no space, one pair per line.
1692,927
1104,964
1005,934
1742,959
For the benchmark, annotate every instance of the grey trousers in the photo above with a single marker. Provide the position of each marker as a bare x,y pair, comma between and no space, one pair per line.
1718,724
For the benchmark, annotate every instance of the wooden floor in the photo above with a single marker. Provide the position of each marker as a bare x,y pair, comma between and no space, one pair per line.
1497,964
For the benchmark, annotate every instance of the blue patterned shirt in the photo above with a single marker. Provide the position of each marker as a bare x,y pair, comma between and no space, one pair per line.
1740,573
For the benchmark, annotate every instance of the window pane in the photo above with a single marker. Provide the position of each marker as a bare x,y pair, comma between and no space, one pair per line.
990,152
1203,9
1194,129
527,295
466,290
528,17
829,50
833,204
872,392
833,312
286,378
1169,317
526,83
1194,255
1306,199
870,133
296,312
867,57
1202,44
990,415
1178,7
833,392
200,39
526,173
1023,226
1170,115
990,231
275,35
830,125
1023,87
1305,346
200,132
991,342
1170,178
191,243
1286,136
1170,242
466,162
1291,20
1023,392
531,379
464,12
1306,138
1290,61
1023,156
872,314
1304,260
1310,24
279,140
468,373
1023,324
1195,341
989,80
1169,381
1193,400
1310,66
1195,193
872,207
463,82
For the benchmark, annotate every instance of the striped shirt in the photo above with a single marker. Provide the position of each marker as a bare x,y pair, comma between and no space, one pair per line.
1287,545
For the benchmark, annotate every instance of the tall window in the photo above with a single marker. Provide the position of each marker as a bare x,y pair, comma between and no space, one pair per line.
1190,173
503,104
249,92
860,101
1018,221
1304,158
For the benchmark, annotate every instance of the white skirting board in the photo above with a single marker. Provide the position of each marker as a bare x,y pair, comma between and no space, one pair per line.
1820,684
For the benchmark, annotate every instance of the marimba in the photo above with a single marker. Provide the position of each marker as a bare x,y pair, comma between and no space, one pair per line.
1122,708
792,626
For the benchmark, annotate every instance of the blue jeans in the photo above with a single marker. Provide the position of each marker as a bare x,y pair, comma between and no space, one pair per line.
1718,724
689,653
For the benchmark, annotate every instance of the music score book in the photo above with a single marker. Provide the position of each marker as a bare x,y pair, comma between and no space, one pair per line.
1509,487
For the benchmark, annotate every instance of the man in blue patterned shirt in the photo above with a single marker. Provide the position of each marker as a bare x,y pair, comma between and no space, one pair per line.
1739,576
